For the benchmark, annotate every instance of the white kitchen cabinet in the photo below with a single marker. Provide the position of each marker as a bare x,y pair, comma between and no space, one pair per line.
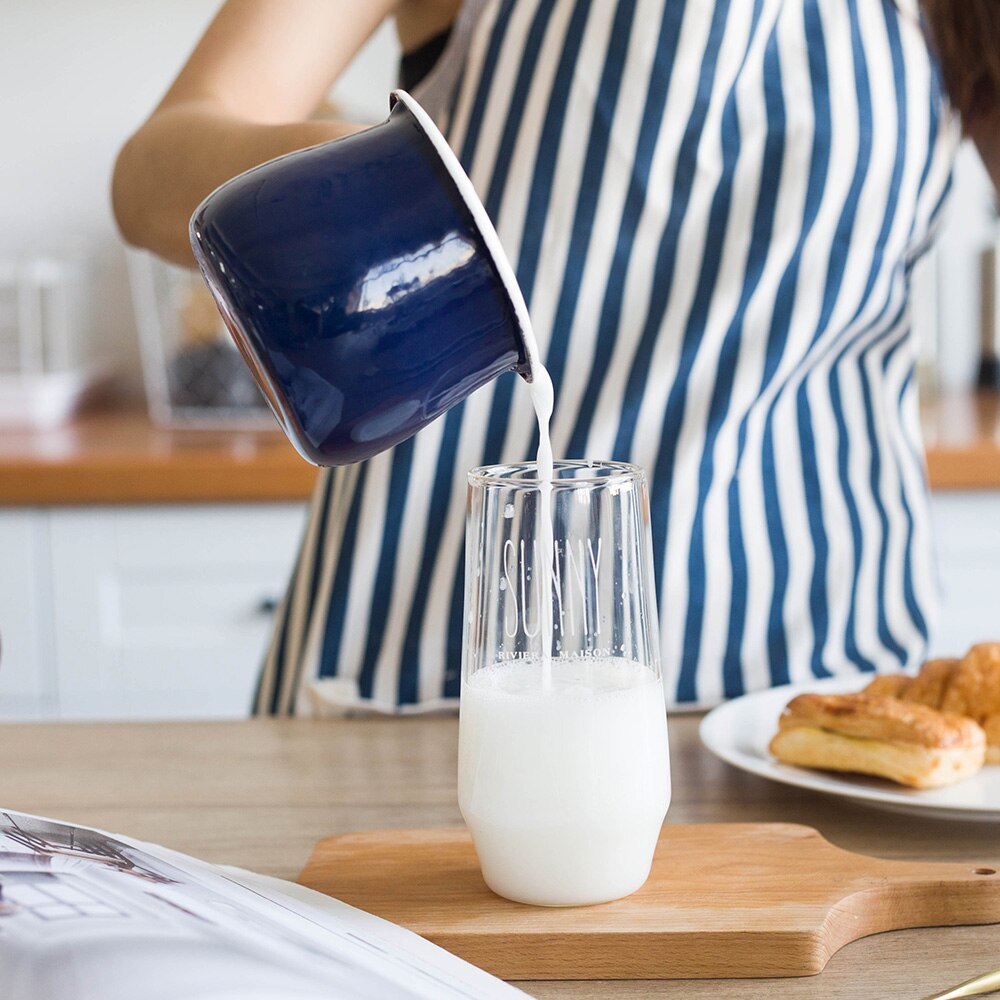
27,669
165,611
967,540
145,612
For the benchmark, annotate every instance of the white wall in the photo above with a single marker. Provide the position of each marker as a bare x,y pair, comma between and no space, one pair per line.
77,77
968,226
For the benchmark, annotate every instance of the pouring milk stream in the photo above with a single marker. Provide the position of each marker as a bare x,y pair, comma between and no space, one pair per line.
542,398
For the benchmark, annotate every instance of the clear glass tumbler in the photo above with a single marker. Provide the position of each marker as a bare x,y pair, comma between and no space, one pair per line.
563,771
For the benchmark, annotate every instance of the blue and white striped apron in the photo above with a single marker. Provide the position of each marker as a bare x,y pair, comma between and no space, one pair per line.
713,208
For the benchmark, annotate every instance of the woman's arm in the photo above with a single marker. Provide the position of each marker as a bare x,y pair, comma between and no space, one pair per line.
242,98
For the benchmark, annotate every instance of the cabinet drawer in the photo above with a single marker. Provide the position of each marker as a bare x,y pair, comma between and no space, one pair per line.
189,608
190,537
166,612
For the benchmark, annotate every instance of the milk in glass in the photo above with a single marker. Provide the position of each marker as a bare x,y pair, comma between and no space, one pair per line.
564,788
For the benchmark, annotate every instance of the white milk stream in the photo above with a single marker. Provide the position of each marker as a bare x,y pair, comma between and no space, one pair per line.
564,788
540,390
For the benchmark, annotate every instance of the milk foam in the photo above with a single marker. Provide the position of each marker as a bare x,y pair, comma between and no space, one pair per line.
564,785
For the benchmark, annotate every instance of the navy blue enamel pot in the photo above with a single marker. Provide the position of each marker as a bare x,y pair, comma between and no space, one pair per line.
364,284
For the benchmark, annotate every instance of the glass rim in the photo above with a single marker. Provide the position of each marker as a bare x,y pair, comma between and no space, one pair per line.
505,475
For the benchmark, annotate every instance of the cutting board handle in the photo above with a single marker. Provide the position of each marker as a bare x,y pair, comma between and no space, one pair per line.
892,895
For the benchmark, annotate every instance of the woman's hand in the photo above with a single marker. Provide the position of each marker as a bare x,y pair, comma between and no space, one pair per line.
243,97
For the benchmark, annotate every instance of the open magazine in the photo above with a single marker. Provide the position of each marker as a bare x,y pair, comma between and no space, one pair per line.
86,915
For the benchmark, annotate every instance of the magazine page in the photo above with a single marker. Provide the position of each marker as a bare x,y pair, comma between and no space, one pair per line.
86,914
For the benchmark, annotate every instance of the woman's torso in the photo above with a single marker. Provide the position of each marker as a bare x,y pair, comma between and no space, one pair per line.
713,209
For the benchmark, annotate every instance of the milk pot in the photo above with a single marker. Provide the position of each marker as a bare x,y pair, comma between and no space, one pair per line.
364,284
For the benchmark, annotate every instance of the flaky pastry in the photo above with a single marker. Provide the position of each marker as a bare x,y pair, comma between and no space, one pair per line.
890,685
969,686
884,736
931,685
975,686
991,727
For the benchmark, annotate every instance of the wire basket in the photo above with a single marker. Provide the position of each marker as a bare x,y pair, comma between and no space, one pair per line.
193,373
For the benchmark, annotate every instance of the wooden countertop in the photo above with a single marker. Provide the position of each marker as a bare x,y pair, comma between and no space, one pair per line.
962,439
119,457
260,793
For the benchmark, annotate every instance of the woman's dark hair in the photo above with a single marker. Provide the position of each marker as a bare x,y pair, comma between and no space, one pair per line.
966,37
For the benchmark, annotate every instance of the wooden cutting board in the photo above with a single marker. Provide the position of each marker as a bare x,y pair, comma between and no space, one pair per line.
722,900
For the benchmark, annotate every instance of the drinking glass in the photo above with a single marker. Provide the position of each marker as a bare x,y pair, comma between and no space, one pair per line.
563,768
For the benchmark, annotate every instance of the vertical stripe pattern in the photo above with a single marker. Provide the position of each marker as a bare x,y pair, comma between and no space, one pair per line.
713,209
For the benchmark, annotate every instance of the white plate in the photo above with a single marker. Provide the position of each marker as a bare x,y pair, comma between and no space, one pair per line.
740,730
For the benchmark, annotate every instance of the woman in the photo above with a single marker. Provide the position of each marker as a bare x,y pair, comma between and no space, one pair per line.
713,209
